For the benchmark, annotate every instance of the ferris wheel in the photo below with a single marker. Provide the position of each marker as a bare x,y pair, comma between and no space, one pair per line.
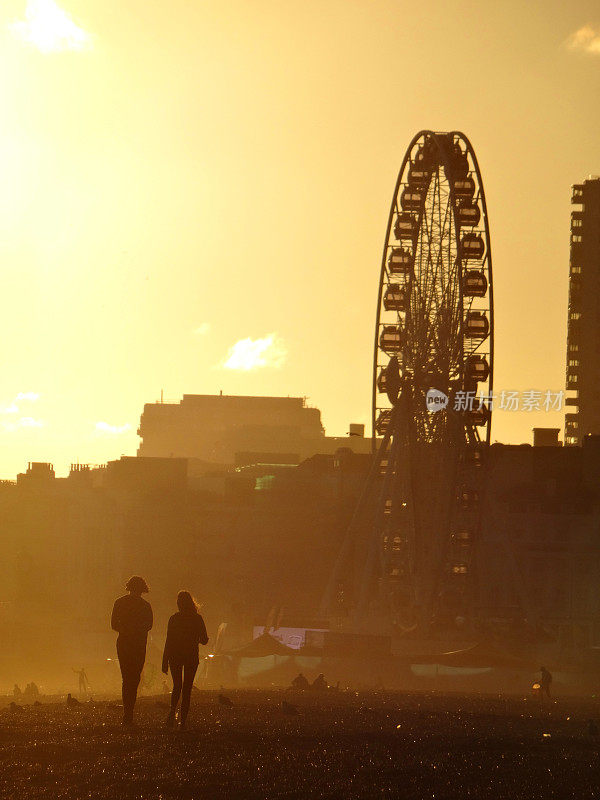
417,524
434,325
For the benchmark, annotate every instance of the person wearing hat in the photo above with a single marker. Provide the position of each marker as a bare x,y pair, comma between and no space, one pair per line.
132,619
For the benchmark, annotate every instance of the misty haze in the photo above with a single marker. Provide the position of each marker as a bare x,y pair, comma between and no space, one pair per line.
300,410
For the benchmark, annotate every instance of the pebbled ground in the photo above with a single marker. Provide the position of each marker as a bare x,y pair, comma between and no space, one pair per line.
339,745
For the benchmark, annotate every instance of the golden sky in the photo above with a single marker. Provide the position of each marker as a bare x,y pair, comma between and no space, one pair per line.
190,188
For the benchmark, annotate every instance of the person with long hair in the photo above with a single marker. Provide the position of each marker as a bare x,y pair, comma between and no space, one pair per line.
185,631
132,619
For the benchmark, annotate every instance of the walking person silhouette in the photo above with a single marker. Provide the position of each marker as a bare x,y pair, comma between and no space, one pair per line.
185,631
83,680
546,681
132,619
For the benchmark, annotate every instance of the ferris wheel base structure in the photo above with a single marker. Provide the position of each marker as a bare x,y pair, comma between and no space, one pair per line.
408,559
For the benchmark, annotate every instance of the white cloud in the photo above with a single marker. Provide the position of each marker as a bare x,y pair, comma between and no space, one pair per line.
586,39
248,354
105,427
13,408
202,329
50,29
31,396
30,422
23,422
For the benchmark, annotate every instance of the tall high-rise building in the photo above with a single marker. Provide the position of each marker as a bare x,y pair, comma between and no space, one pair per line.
583,337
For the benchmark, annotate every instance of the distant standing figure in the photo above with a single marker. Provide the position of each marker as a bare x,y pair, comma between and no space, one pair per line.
17,690
320,683
546,681
300,682
132,619
83,680
185,631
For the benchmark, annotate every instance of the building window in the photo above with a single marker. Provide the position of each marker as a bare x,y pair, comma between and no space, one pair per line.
577,223
264,483
574,348
576,237
575,315
571,378
575,270
573,362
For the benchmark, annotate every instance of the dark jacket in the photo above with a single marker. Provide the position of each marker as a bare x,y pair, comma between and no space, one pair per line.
132,618
184,633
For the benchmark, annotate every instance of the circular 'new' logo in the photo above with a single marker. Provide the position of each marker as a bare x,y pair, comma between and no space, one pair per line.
435,400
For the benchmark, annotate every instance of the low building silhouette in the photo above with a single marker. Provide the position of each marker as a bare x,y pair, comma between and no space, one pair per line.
213,429
259,534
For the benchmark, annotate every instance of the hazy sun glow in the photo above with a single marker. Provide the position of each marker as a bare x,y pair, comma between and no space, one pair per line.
247,354
50,29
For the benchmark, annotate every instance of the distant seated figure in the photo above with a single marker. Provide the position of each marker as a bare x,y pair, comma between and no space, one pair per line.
300,682
546,681
17,691
320,683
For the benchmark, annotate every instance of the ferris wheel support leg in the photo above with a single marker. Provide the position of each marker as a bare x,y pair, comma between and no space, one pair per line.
375,544
434,595
349,536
